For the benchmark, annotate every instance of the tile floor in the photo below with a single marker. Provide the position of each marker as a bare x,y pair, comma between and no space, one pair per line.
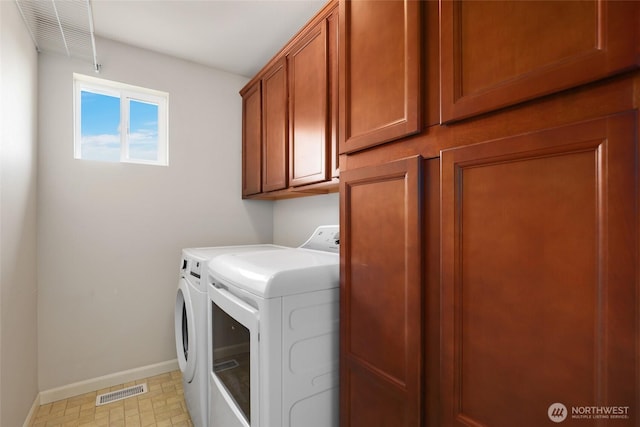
162,406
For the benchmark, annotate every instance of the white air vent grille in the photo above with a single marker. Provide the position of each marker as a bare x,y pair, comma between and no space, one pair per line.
114,396
61,26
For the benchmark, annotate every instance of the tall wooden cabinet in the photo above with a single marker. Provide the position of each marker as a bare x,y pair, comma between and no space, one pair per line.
490,266
381,324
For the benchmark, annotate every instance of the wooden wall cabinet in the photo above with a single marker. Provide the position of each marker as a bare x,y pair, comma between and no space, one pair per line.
274,128
380,64
312,89
264,132
499,53
252,139
298,116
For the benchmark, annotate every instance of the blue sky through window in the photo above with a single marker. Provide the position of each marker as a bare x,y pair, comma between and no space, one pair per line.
143,135
100,118
100,128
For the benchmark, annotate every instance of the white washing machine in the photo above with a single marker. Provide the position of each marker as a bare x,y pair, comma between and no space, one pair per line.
274,320
191,324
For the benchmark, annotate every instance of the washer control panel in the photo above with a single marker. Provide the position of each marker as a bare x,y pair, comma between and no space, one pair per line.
196,269
324,238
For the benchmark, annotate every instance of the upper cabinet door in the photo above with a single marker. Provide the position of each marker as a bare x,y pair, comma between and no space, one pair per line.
379,72
274,124
251,140
308,108
498,53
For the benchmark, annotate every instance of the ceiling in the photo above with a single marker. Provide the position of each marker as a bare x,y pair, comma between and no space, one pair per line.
237,36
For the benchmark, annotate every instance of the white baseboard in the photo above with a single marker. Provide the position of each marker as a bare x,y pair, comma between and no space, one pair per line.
94,384
32,411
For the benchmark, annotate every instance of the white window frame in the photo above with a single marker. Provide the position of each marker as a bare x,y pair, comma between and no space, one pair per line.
125,93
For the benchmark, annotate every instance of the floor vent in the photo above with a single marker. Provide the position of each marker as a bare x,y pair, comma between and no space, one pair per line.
223,366
114,396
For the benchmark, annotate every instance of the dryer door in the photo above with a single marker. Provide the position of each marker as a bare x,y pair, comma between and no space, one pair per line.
185,331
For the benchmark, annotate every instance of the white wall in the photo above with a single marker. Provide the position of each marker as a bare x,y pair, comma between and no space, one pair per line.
18,159
110,234
295,219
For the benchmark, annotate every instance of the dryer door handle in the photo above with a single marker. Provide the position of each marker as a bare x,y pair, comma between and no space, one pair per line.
231,303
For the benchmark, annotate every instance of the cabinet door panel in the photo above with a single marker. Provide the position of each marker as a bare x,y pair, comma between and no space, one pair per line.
540,275
381,332
252,141
498,53
275,130
379,72
308,108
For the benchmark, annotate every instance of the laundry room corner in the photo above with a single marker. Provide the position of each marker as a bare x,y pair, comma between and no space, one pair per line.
295,219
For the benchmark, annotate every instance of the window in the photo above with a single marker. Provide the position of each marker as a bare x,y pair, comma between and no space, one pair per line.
116,122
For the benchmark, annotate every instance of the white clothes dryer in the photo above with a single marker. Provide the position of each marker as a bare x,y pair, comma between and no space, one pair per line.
273,340
191,324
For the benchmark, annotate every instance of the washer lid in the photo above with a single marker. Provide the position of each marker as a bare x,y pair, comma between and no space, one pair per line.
207,253
194,260
270,274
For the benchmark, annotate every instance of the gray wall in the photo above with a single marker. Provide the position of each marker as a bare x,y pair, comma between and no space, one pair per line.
295,219
18,164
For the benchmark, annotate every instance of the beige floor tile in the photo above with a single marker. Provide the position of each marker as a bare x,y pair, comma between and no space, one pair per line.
86,418
132,421
59,406
44,409
162,405
130,404
116,414
74,410
145,405
102,422
180,418
88,408
88,398
147,418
